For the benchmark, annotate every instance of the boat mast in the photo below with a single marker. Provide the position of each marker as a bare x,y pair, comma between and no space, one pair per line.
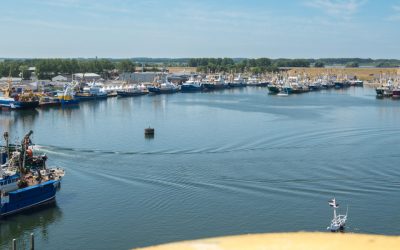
7,93
5,135
333,204
25,144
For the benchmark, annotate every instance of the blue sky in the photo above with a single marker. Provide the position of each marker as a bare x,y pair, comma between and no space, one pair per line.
203,28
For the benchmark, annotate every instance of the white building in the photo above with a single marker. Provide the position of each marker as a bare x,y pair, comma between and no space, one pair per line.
60,78
88,77
138,77
14,80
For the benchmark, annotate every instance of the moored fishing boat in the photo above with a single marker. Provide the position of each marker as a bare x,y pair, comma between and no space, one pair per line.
237,82
385,89
128,91
273,88
191,85
49,101
314,86
396,92
214,82
91,92
13,100
339,85
35,183
166,87
66,97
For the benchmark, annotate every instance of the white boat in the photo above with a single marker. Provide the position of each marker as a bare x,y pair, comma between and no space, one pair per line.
253,81
237,82
339,221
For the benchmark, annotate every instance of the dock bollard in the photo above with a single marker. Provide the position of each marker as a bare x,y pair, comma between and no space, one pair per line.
32,242
14,244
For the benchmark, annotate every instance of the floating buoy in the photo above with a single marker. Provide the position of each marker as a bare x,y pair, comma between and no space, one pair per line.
149,132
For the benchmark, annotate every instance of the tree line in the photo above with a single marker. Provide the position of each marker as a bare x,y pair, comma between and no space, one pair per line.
259,65
48,68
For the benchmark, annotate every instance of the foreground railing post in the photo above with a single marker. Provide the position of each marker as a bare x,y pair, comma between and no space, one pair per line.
14,244
32,242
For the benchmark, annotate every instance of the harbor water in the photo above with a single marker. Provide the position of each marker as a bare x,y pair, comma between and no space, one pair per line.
236,161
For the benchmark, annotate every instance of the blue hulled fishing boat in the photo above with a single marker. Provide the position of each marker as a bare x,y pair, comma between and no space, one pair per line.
13,100
25,180
191,85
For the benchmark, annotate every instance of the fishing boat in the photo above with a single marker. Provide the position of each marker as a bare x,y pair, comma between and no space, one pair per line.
385,89
314,86
339,221
356,83
165,87
34,183
191,85
396,92
214,82
91,92
253,81
134,90
339,85
49,101
237,82
66,97
13,100
274,89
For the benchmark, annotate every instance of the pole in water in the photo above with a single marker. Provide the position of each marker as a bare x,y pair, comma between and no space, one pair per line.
14,244
32,242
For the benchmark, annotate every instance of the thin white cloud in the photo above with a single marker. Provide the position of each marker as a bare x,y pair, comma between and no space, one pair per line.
337,8
396,13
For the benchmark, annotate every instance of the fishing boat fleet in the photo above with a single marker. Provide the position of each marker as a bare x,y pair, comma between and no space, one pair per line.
388,89
277,84
75,92
25,179
287,85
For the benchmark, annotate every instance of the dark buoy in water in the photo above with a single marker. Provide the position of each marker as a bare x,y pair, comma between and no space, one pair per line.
149,133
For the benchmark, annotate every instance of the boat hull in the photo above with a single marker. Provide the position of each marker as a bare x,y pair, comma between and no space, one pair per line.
49,104
6,102
211,86
396,93
70,102
29,197
154,90
90,97
190,88
24,105
273,89
130,94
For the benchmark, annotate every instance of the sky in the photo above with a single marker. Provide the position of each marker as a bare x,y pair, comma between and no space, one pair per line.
200,28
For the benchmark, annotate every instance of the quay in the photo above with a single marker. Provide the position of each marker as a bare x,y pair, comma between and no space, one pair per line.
288,241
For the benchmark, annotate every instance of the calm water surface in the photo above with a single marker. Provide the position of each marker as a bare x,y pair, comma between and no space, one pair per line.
222,163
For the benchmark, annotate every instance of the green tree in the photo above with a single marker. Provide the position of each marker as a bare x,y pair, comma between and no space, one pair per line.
126,66
319,64
352,65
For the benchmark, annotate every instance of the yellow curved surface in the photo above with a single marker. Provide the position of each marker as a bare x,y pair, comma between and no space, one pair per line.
289,241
